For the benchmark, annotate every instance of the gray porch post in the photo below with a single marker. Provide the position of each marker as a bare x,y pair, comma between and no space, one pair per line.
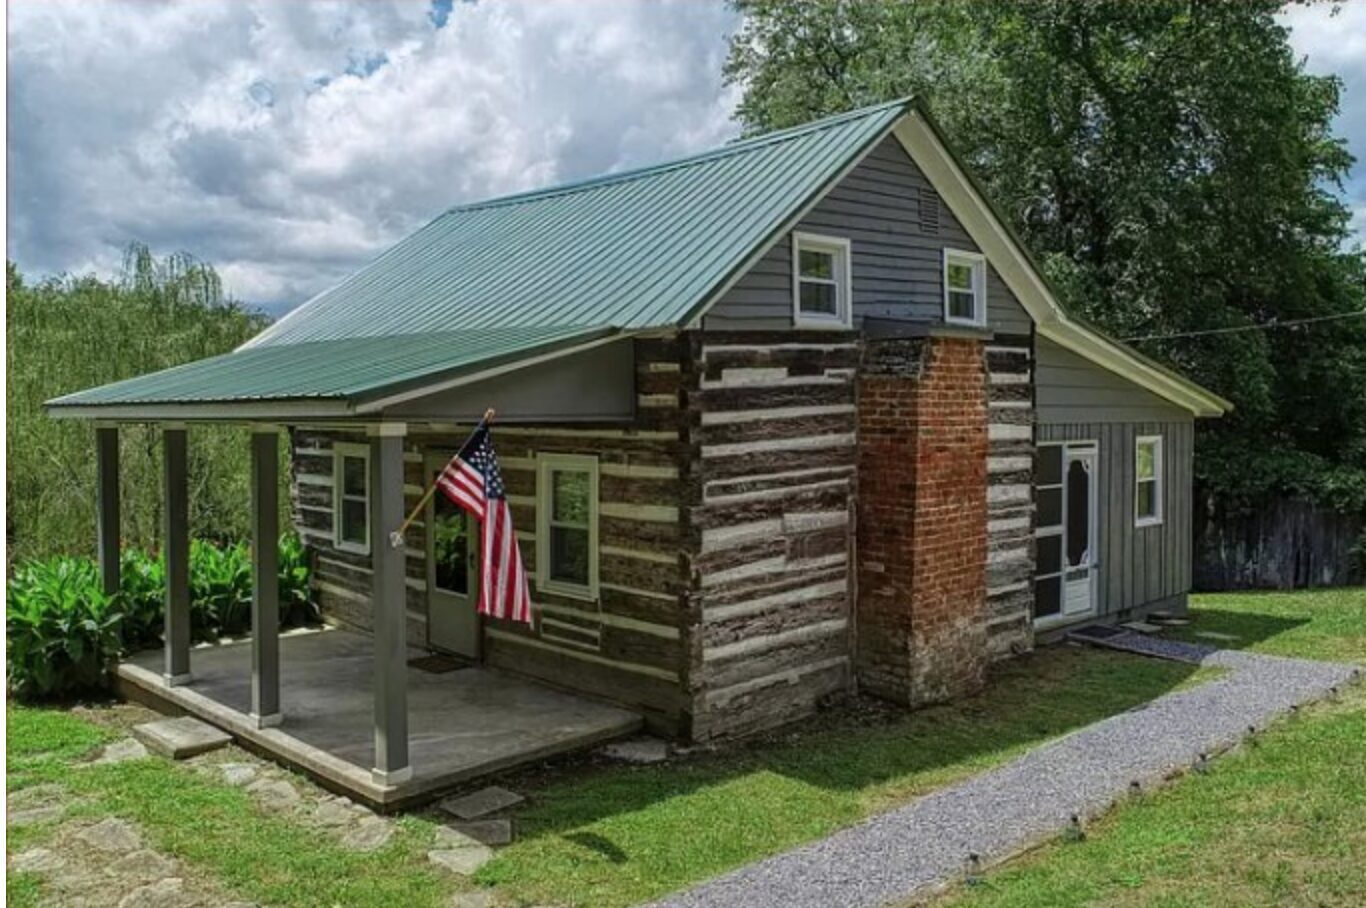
265,590
175,548
388,605
107,505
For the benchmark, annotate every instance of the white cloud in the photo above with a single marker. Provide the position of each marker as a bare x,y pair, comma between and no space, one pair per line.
1331,38
287,143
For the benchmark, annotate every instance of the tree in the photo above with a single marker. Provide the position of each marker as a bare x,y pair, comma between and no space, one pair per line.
68,333
1170,164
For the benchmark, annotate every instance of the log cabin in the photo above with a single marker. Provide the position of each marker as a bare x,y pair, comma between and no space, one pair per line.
791,418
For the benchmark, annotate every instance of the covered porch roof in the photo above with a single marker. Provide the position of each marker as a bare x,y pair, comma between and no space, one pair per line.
338,378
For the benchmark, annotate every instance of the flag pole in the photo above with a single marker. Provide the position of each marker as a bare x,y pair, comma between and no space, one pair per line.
396,537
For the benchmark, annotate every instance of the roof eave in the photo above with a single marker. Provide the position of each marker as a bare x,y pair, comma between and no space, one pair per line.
919,133
257,410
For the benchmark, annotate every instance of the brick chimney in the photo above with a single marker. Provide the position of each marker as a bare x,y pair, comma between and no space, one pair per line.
922,518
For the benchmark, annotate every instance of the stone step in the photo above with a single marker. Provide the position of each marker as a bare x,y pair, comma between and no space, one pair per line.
181,737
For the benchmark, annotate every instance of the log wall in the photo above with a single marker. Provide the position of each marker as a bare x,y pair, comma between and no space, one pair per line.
631,645
771,417
1010,495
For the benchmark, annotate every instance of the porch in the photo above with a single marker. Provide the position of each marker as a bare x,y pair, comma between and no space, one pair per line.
462,724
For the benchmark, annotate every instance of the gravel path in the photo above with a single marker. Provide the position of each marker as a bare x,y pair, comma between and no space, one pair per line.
929,842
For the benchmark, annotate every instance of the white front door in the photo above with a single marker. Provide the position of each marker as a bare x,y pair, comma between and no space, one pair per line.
452,574
1079,531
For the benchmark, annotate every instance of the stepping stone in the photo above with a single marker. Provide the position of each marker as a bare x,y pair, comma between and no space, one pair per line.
45,795
181,737
120,751
638,750
274,794
333,813
479,898
370,834
1142,627
1170,622
168,893
36,860
32,815
464,861
1215,635
237,774
449,838
488,832
144,865
481,803
112,835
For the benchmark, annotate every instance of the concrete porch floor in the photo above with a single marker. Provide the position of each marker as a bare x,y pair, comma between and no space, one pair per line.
461,724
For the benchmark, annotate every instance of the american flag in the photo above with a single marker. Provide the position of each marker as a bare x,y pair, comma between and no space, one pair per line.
473,482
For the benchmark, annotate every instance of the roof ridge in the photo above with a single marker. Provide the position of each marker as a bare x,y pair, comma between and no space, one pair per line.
738,146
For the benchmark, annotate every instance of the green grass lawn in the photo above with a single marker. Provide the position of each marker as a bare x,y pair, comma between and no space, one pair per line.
593,834
601,835
1279,822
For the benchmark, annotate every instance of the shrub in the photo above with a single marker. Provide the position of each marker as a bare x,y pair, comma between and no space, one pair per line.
220,590
65,633
296,602
142,589
61,629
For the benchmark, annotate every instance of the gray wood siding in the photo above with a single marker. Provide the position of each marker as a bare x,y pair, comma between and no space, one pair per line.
1074,390
596,385
897,268
1138,565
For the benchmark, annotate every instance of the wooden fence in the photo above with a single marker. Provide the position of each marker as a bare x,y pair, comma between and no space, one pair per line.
1284,543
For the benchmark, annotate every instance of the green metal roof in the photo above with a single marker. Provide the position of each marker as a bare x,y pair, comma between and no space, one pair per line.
502,278
639,249
350,369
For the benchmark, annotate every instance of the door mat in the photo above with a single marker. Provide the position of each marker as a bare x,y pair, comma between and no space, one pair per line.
438,663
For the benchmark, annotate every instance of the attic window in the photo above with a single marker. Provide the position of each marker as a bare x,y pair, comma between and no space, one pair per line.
820,281
965,288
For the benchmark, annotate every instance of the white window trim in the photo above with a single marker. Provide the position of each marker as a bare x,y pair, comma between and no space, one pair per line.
545,464
844,297
342,450
1158,481
978,263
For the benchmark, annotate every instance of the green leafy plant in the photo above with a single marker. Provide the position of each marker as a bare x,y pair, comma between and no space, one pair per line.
142,594
220,590
62,630
296,602
65,633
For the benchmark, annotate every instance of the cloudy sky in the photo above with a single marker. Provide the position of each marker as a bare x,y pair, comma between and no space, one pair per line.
289,142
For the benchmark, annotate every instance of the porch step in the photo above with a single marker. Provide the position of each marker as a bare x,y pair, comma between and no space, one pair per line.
180,738
481,803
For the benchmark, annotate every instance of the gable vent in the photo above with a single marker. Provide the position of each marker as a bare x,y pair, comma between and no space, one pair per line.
929,210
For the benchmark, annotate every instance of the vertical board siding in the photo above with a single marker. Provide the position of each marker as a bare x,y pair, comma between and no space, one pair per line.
773,418
897,267
1139,566
630,646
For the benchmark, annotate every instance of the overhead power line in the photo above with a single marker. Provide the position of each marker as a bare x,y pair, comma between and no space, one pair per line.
1265,326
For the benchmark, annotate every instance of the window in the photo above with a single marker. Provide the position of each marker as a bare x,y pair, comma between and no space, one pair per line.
351,497
965,288
567,525
820,281
1148,480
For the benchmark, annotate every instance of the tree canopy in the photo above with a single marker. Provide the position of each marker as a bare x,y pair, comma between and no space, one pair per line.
67,333
1172,166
